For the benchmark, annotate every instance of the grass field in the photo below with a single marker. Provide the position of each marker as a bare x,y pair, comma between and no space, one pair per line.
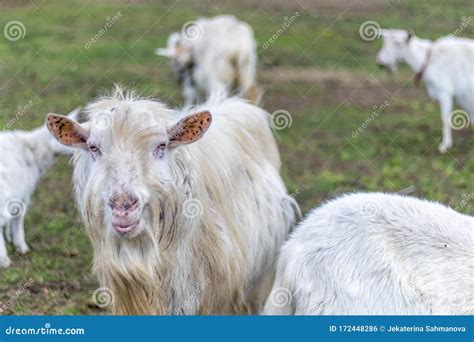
319,70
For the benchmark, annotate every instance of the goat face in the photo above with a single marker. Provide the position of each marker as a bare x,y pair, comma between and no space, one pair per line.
179,51
392,51
124,154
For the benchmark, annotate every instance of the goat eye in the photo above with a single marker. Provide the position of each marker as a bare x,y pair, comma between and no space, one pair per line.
160,150
93,149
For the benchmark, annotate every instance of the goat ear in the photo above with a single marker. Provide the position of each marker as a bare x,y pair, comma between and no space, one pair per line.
67,131
411,33
75,114
165,52
189,129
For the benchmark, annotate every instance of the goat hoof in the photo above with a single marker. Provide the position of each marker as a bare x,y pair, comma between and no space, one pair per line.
443,148
23,249
5,262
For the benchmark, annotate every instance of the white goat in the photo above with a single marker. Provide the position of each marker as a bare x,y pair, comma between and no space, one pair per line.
26,156
446,67
377,254
214,55
179,224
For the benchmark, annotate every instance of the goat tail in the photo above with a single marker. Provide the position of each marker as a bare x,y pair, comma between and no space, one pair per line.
246,74
217,94
253,94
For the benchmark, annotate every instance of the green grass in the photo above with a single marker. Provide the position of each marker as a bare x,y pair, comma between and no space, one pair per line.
52,68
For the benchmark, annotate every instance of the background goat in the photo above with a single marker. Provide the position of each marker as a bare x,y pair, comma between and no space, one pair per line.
178,228
214,55
377,254
26,156
446,67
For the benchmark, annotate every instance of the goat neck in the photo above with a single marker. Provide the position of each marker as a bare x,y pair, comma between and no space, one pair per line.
417,52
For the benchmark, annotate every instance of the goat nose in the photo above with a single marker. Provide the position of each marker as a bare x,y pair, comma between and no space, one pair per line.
122,203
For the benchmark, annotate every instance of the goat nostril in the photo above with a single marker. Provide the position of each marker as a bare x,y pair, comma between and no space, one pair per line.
123,203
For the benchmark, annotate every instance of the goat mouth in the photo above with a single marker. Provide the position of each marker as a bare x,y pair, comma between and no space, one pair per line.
388,68
125,227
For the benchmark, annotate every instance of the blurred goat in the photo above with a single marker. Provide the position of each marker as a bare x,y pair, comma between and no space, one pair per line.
214,55
447,68
26,156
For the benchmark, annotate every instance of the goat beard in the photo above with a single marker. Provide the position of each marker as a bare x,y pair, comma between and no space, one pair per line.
132,268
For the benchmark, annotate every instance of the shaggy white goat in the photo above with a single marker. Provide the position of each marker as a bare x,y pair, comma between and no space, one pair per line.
179,224
446,67
214,55
26,156
377,254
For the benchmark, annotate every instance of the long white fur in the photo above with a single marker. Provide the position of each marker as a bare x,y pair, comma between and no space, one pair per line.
449,74
224,57
214,263
377,254
26,157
